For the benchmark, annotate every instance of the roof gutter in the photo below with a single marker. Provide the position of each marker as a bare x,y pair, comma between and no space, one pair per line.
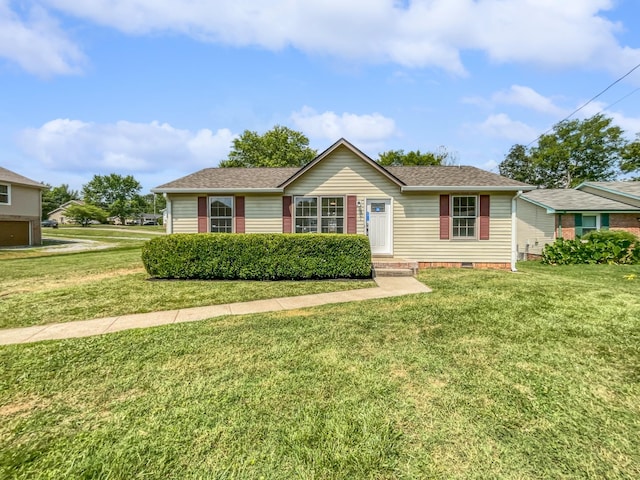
462,188
217,190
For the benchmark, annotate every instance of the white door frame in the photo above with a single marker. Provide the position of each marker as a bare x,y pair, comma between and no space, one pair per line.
389,214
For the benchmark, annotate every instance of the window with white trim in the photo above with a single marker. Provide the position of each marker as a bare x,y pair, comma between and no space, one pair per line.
332,215
221,213
464,214
319,214
5,194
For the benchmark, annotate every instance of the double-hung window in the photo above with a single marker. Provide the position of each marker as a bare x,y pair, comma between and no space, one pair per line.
319,214
5,194
464,216
589,223
221,214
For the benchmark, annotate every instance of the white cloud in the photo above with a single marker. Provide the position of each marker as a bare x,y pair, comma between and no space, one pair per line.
76,146
631,125
37,43
367,130
502,126
528,98
420,33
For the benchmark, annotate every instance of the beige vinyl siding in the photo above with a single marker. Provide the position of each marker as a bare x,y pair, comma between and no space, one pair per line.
263,214
341,174
611,196
25,201
417,231
535,228
416,216
184,214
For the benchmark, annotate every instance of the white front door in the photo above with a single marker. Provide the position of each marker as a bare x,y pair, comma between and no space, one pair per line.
379,226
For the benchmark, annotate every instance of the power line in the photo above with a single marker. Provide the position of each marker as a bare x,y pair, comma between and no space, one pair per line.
591,100
619,100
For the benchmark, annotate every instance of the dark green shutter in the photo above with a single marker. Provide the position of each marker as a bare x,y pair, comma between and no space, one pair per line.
604,221
578,224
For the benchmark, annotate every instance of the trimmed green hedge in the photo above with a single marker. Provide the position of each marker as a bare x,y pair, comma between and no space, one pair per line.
603,246
257,256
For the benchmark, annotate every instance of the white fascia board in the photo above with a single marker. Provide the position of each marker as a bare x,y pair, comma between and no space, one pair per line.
463,188
608,190
208,191
538,204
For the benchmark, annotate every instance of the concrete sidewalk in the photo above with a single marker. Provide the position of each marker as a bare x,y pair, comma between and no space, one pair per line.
387,287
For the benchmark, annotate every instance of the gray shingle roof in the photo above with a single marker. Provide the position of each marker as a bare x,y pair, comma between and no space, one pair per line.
451,176
258,178
12,177
630,188
570,200
231,178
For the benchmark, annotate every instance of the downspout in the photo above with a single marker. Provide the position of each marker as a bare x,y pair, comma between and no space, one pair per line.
169,226
514,226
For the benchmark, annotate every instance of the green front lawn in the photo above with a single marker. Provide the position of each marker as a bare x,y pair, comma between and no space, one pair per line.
106,283
493,375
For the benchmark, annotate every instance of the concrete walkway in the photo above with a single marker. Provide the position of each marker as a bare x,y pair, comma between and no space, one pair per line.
387,287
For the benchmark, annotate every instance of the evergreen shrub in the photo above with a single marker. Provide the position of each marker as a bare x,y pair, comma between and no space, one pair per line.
257,256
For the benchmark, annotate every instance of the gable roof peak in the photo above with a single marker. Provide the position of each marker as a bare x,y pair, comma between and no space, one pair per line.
343,142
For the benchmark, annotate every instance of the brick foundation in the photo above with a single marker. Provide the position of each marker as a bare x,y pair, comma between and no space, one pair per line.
495,266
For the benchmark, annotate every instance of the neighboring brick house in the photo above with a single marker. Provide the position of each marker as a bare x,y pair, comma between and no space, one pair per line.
434,215
20,209
547,214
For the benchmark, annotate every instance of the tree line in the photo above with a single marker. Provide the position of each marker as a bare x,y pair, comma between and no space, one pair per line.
284,147
105,196
574,151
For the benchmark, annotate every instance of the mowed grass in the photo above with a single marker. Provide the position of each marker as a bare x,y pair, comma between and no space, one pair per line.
493,375
105,283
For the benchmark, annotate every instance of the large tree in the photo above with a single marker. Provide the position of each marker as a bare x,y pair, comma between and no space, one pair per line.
519,166
575,151
397,158
56,196
84,214
279,147
116,194
631,157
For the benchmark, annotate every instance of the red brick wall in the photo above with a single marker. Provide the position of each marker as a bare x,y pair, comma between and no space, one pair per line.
568,226
617,221
625,221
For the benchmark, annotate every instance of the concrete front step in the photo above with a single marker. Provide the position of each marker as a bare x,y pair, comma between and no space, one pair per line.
393,272
394,267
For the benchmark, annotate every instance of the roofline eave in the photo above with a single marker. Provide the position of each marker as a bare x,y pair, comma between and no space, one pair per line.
217,190
608,190
538,204
464,188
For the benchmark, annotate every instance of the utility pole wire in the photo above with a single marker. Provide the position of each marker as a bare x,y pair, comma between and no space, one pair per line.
587,103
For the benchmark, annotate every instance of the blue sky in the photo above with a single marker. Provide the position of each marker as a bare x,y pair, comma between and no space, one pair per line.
155,89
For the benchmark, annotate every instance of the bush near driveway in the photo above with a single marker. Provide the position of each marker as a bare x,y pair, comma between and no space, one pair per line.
258,256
